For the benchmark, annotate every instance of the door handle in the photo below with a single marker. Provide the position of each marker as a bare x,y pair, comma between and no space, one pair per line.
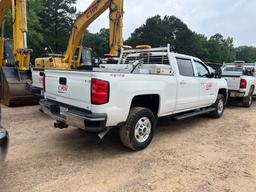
183,83
63,81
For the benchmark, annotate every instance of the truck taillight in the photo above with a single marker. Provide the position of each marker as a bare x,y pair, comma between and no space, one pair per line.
99,92
243,84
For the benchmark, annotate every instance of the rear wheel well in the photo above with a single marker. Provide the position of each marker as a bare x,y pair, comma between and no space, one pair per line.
148,101
253,88
224,93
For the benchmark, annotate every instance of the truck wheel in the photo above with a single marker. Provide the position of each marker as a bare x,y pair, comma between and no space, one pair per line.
219,107
138,131
247,101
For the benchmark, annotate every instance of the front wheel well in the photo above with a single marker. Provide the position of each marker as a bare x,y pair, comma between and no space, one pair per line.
151,102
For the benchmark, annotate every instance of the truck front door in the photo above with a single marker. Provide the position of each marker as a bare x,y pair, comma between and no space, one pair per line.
207,85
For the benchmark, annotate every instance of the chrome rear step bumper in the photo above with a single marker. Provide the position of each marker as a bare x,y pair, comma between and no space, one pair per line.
74,116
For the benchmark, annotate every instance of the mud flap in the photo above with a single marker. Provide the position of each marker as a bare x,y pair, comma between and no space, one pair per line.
14,87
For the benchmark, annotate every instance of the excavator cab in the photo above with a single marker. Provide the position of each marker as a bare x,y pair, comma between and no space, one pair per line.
8,52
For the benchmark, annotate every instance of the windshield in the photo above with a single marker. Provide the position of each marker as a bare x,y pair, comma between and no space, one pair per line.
8,54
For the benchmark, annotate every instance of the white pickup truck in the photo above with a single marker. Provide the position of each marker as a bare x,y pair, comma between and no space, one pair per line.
241,79
132,95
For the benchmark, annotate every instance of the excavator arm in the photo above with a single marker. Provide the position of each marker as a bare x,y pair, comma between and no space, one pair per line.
5,5
116,27
20,49
83,22
19,22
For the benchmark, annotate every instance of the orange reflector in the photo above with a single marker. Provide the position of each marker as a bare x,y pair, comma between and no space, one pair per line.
143,47
127,47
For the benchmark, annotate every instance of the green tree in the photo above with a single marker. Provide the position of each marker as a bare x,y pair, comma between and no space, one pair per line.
97,41
221,49
246,53
159,32
56,18
35,38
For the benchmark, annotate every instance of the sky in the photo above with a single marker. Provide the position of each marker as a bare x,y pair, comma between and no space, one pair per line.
234,18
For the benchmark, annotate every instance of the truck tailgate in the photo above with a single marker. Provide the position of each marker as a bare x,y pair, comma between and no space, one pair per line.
233,82
37,79
233,79
69,87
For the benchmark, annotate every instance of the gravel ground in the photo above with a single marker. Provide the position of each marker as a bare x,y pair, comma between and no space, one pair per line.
198,155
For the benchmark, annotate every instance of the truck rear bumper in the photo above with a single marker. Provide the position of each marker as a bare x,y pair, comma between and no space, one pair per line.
74,116
235,94
37,91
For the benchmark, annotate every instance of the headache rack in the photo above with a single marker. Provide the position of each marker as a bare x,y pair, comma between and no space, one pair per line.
146,56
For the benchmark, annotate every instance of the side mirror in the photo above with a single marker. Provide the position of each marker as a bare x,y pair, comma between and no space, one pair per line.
211,75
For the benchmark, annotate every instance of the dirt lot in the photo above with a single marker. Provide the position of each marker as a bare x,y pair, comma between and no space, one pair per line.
196,155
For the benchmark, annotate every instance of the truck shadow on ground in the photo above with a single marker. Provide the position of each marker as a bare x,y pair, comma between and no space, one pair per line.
77,141
81,144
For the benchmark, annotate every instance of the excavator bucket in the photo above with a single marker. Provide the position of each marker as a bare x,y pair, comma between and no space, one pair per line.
14,88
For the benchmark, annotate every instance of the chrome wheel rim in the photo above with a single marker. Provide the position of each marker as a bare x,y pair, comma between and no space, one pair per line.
142,129
220,106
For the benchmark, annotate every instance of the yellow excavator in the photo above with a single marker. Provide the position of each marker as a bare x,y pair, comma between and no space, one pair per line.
15,57
73,57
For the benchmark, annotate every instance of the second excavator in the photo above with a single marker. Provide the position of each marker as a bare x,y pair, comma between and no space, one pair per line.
15,57
74,54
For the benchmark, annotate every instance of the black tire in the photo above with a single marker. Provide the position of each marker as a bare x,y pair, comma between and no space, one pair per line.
219,110
129,129
247,101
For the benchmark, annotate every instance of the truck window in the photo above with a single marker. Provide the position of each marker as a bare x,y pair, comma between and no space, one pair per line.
234,69
185,67
202,71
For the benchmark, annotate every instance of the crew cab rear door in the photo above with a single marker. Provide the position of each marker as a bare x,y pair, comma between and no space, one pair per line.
69,87
188,86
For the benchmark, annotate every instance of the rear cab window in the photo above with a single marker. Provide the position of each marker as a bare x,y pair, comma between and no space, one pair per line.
233,69
147,58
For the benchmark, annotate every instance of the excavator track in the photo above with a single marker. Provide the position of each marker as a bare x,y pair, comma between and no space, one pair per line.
14,88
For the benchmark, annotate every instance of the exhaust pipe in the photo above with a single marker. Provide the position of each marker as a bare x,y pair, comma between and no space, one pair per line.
102,134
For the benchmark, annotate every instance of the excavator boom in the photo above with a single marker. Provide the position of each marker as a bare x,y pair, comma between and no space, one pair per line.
85,19
73,54
116,27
